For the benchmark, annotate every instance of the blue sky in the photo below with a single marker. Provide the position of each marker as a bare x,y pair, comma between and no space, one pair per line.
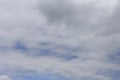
41,77
59,40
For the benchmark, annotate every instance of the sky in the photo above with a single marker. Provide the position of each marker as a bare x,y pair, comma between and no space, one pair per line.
59,40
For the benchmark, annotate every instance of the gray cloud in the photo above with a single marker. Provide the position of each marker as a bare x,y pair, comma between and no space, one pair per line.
5,77
71,38
83,18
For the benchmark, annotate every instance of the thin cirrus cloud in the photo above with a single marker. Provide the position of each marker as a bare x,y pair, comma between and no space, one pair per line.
72,38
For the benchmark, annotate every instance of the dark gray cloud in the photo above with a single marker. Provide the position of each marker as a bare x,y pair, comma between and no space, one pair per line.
64,12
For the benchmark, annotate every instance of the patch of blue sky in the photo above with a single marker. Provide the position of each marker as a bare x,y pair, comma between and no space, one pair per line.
68,57
49,52
114,74
41,77
44,43
39,51
115,58
20,46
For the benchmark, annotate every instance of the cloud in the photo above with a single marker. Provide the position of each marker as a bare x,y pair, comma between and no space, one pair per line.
72,38
5,77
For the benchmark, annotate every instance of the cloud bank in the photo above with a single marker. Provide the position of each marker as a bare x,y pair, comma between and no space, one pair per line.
74,38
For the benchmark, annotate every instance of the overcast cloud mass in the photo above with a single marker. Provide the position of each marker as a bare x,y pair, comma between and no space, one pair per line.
60,39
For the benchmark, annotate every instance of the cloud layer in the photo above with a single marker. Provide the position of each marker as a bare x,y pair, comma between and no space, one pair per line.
73,38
